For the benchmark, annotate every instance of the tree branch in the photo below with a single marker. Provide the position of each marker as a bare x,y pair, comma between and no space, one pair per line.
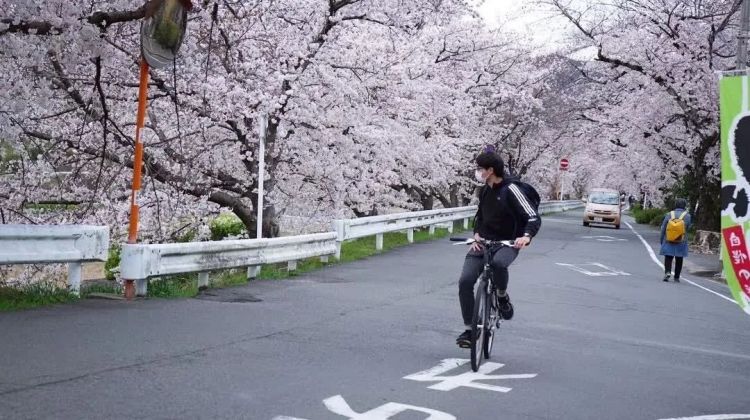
100,19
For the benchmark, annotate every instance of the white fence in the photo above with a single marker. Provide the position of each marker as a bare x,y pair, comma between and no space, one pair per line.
25,244
547,207
45,244
378,225
140,262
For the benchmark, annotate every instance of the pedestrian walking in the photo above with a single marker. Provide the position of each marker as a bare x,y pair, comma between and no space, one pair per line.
674,245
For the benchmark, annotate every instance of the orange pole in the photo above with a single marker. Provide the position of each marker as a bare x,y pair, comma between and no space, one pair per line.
137,165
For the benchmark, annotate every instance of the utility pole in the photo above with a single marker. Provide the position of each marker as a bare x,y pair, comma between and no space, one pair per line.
562,185
262,124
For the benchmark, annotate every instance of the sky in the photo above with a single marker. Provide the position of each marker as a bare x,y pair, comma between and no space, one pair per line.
492,9
545,29
522,16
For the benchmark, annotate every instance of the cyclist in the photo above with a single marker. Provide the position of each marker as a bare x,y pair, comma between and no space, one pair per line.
504,213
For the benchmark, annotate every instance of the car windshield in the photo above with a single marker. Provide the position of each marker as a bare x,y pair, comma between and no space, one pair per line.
604,198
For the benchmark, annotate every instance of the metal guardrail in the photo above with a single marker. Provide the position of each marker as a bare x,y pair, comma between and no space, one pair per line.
141,262
50,244
378,225
546,207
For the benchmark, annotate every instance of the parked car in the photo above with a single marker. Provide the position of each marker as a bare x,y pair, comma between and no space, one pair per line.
603,206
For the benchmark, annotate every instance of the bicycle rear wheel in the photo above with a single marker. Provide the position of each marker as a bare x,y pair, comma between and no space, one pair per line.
478,329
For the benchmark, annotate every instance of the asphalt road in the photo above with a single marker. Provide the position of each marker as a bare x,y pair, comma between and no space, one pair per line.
597,335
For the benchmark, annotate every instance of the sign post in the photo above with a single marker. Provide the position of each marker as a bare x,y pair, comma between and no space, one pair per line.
162,33
564,165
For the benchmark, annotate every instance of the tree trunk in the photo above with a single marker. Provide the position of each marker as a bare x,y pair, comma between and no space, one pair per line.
454,196
428,202
372,212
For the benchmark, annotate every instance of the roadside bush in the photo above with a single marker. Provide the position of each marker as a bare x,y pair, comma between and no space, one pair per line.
113,261
227,224
648,215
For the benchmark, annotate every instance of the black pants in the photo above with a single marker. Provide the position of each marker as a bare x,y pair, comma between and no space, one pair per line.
677,266
473,266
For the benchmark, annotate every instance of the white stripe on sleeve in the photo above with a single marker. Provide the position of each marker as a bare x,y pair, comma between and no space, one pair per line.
522,199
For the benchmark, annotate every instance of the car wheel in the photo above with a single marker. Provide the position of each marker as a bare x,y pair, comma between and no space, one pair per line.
586,223
617,226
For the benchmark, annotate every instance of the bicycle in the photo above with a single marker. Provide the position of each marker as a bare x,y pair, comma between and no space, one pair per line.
486,317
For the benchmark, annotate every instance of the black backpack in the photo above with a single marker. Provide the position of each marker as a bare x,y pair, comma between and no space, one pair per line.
530,193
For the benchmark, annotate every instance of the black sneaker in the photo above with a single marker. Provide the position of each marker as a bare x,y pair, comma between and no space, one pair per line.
464,340
505,307
676,279
667,276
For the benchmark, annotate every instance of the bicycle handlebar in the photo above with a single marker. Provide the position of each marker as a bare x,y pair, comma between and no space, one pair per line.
486,242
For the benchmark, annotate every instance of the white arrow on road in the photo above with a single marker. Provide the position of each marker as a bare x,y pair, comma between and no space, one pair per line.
594,269
468,379
338,405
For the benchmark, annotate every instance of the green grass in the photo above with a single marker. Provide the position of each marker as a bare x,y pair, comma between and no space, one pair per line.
110,288
32,296
180,286
42,294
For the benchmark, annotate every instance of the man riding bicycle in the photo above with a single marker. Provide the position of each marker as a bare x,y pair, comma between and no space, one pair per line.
504,213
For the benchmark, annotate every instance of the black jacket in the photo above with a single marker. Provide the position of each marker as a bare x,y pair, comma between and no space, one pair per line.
505,213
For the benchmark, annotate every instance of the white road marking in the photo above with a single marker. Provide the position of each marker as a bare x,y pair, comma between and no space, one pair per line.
467,379
338,405
604,238
715,417
660,264
587,269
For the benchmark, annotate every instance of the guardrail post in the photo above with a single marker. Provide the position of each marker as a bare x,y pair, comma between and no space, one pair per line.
253,272
379,242
410,235
141,287
203,280
338,227
74,277
466,223
291,265
450,227
432,230
324,259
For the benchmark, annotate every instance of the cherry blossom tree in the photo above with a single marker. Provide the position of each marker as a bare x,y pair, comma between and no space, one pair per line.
652,82
68,106
372,106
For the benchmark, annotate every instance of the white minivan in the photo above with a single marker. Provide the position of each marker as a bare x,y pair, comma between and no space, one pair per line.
603,206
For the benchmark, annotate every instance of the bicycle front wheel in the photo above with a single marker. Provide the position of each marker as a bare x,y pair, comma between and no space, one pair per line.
478,325
489,329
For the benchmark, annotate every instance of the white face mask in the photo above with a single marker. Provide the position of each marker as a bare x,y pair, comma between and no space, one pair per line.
479,177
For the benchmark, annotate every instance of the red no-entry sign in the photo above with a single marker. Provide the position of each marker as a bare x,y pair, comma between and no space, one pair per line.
564,164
